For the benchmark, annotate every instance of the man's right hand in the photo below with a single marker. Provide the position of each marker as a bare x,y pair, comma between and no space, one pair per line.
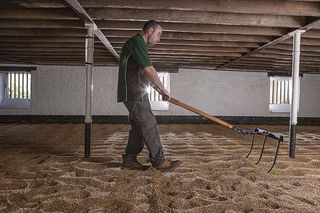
166,96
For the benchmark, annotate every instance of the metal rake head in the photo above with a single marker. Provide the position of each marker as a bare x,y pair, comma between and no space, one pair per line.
265,134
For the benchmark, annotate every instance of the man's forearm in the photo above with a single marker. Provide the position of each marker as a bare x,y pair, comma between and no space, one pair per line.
152,76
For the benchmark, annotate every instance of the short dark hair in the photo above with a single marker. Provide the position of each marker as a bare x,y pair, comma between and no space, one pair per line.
149,24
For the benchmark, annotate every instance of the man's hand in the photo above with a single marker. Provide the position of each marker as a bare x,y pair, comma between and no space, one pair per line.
166,96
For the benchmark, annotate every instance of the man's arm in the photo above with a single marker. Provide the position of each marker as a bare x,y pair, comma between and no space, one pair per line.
152,76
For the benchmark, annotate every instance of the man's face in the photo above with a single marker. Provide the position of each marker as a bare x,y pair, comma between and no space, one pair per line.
154,35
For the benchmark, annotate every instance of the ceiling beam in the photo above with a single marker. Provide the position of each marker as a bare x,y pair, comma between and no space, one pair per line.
38,14
64,45
47,24
192,28
100,48
137,26
117,40
113,14
127,34
274,7
197,17
269,44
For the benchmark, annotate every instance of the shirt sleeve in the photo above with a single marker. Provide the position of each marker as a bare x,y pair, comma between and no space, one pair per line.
141,55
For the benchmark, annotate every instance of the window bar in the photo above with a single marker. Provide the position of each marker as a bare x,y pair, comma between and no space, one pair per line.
15,86
19,88
279,92
19,85
8,85
155,95
12,85
29,82
285,92
151,94
271,92
23,84
27,85
282,91
275,92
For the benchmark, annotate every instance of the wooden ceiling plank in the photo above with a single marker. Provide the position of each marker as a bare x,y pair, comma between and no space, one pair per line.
271,43
38,14
117,40
234,19
193,28
128,34
272,7
55,24
275,7
136,27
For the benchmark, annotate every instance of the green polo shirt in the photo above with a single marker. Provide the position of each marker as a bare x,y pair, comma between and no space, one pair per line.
132,83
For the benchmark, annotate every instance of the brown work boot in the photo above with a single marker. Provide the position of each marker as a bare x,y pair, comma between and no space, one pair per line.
168,165
134,165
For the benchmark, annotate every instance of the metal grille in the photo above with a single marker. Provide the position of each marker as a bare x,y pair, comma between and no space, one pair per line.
19,85
280,90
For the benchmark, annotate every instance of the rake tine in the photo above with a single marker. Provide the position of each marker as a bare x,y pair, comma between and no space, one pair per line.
275,156
252,142
261,153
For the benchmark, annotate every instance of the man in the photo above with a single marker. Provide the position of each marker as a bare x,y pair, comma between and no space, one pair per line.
135,74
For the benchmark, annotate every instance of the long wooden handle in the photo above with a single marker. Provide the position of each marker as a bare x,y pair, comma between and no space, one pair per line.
199,112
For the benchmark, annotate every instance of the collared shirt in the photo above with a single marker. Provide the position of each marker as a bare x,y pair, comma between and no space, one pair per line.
132,83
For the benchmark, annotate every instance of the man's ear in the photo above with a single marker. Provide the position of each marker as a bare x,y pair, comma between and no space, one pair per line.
150,30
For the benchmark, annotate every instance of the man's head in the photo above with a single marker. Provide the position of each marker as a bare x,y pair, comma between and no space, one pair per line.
152,32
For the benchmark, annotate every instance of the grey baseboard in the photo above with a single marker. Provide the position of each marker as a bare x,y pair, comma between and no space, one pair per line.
121,119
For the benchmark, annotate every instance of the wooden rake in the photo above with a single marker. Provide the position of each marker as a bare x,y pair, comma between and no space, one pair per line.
242,132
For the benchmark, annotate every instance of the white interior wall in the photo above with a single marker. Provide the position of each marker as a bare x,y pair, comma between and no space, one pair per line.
60,90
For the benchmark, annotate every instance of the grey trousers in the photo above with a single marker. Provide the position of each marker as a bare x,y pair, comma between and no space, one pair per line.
144,130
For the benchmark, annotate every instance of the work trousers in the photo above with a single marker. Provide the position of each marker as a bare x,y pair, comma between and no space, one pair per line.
144,130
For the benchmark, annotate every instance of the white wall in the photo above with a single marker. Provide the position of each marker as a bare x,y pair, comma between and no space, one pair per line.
60,90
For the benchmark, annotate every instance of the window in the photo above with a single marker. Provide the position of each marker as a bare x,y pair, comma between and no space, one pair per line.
19,85
280,92
155,98
15,89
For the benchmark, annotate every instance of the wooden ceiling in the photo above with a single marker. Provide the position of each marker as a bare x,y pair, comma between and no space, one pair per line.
222,34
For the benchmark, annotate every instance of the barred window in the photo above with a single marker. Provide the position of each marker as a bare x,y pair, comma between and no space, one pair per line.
19,85
155,98
280,90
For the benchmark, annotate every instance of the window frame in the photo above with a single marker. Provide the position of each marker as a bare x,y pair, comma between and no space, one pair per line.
15,103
